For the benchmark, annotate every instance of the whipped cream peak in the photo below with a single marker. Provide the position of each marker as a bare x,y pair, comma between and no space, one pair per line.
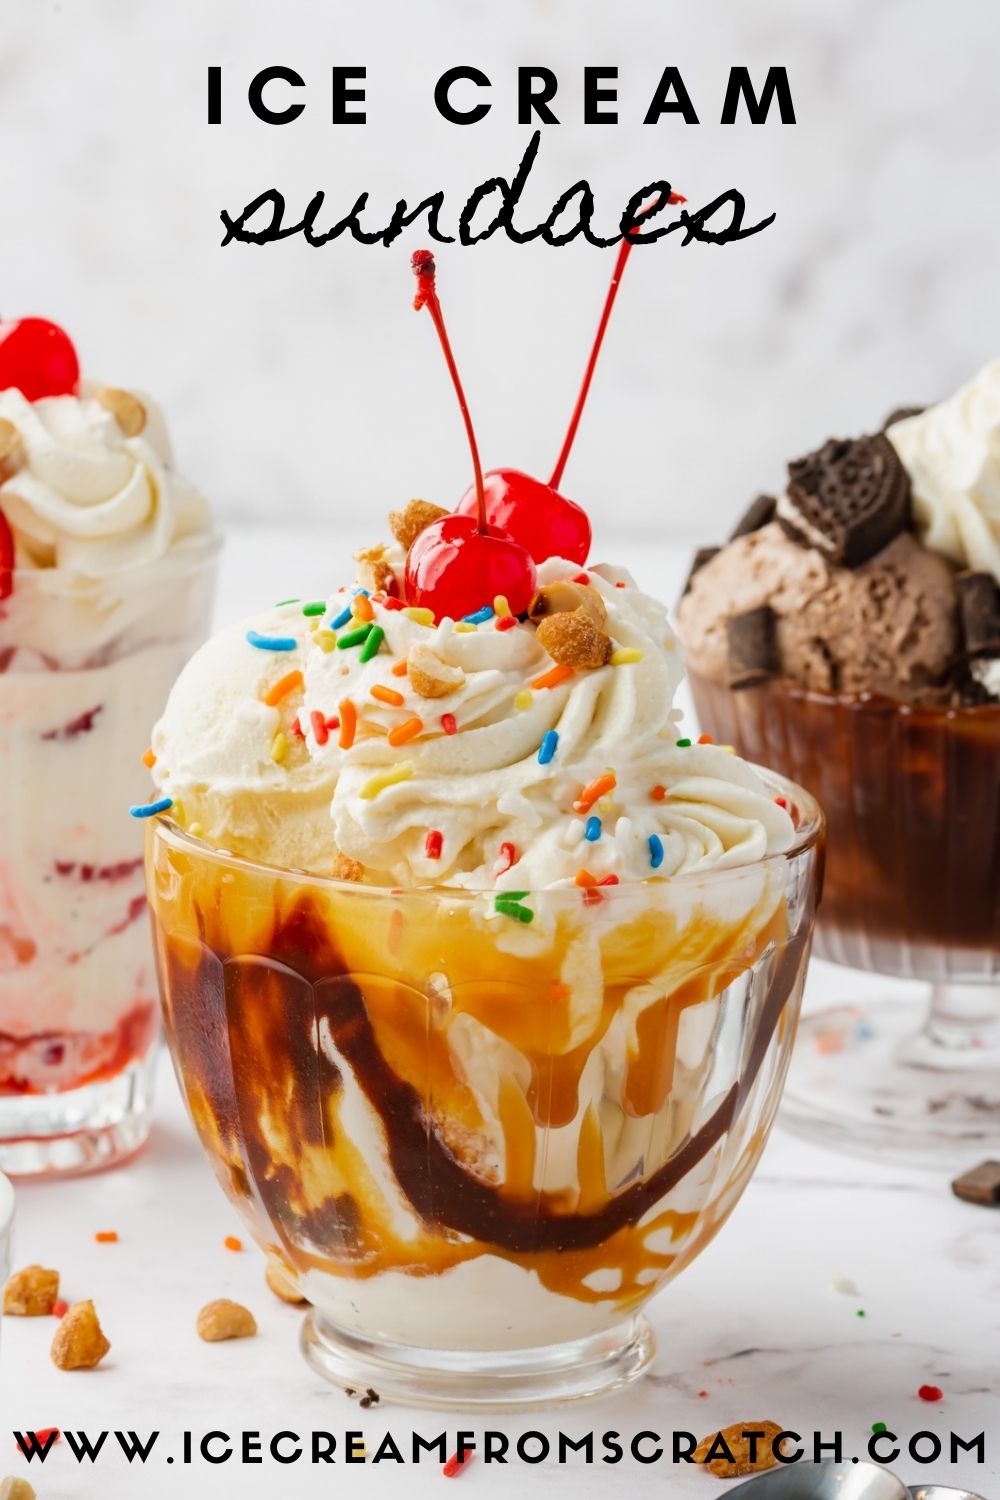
501,774
952,454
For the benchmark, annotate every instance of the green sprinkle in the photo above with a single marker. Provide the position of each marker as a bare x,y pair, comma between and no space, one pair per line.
318,608
511,895
511,908
862,1313
354,637
683,744
282,602
376,635
879,1427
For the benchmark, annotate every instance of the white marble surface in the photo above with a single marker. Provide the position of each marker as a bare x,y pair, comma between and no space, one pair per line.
287,371
755,1322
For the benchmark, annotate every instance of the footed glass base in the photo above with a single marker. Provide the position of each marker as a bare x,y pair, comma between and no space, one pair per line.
476,1378
864,1079
80,1130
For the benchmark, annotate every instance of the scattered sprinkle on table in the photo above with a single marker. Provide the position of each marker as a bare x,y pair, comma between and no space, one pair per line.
60,1309
456,1465
547,749
231,1242
149,758
43,1436
655,850
150,809
271,642
106,1236
879,1427
930,1393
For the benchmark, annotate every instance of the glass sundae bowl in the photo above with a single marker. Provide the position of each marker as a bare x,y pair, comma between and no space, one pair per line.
480,1135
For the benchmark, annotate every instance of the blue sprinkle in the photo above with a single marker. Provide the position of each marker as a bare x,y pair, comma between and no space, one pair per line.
341,620
547,748
655,850
150,809
356,592
272,642
592,832
480,617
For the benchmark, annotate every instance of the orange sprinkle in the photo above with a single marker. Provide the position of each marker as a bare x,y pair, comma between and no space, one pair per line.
232,1243
553,677
705,739
282,688
106,1236
399,668
387,694
362,608
585,879
658,793
408,730
593,791
348,724
149,759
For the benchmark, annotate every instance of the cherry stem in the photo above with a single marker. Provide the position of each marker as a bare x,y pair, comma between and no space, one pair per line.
609,302
422,263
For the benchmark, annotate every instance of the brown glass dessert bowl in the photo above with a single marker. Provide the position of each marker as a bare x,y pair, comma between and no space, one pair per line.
911,795
478,1144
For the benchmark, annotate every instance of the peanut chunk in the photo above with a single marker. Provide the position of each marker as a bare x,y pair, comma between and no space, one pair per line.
79,1342
11,450
406,525
31,1293
573,640
16,1489
739,1446
127,410
565,597
375,572
343,867
431,677
223,1319
278,1280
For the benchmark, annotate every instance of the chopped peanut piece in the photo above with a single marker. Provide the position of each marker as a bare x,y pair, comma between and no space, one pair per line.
429,676
374,571
278,1280
344,868
565,597
406,525
127,410
31,1293
223,1319
740,1448
573,640
12,1488
79,1342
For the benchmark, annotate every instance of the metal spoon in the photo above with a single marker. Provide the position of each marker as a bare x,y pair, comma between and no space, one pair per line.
831,1481
941,1492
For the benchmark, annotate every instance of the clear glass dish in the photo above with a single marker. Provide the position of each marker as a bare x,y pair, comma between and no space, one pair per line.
85,669
479,1145
911,797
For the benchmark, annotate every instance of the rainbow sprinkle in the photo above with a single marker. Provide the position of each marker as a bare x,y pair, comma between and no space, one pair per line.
279,748
150,809
406,731
592,832
500,606
342,619
385,779
547,749
386,695
449,724
356,637
373,642
419,615
479,616
655,850
624,655
432,843
464,627
523,699
506,622
683,744
281,689
318,607
509,905
271,642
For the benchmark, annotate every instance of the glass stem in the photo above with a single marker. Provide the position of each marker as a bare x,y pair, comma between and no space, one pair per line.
964,1018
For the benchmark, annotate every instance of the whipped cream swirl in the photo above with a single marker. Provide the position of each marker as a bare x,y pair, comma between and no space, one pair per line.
952,454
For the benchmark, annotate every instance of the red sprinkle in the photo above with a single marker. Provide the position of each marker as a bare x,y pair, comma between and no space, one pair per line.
448,722
232,1243
296,728
320,732
581,578
432,843
60,1309
509,855
106,1236
781,802
658,793
506,622
703,1393
456,1465
41,1436
619,584
931,1393
609,880
389,602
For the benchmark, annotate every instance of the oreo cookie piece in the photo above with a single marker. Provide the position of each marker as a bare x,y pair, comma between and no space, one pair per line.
849,499
979,613
900,414
759,512
752,642
702,556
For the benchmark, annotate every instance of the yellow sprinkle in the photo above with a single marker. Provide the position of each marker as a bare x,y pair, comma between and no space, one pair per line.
500,606
178,814
524,700
379,783
421,616
624,655
463,627
729,749
196,831
326,640
279,748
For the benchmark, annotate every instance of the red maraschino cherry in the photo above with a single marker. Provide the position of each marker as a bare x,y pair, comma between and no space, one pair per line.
535,514
461,562
37,358
6,559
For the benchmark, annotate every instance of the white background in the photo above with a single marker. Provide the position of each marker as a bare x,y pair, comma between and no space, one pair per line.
298,382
